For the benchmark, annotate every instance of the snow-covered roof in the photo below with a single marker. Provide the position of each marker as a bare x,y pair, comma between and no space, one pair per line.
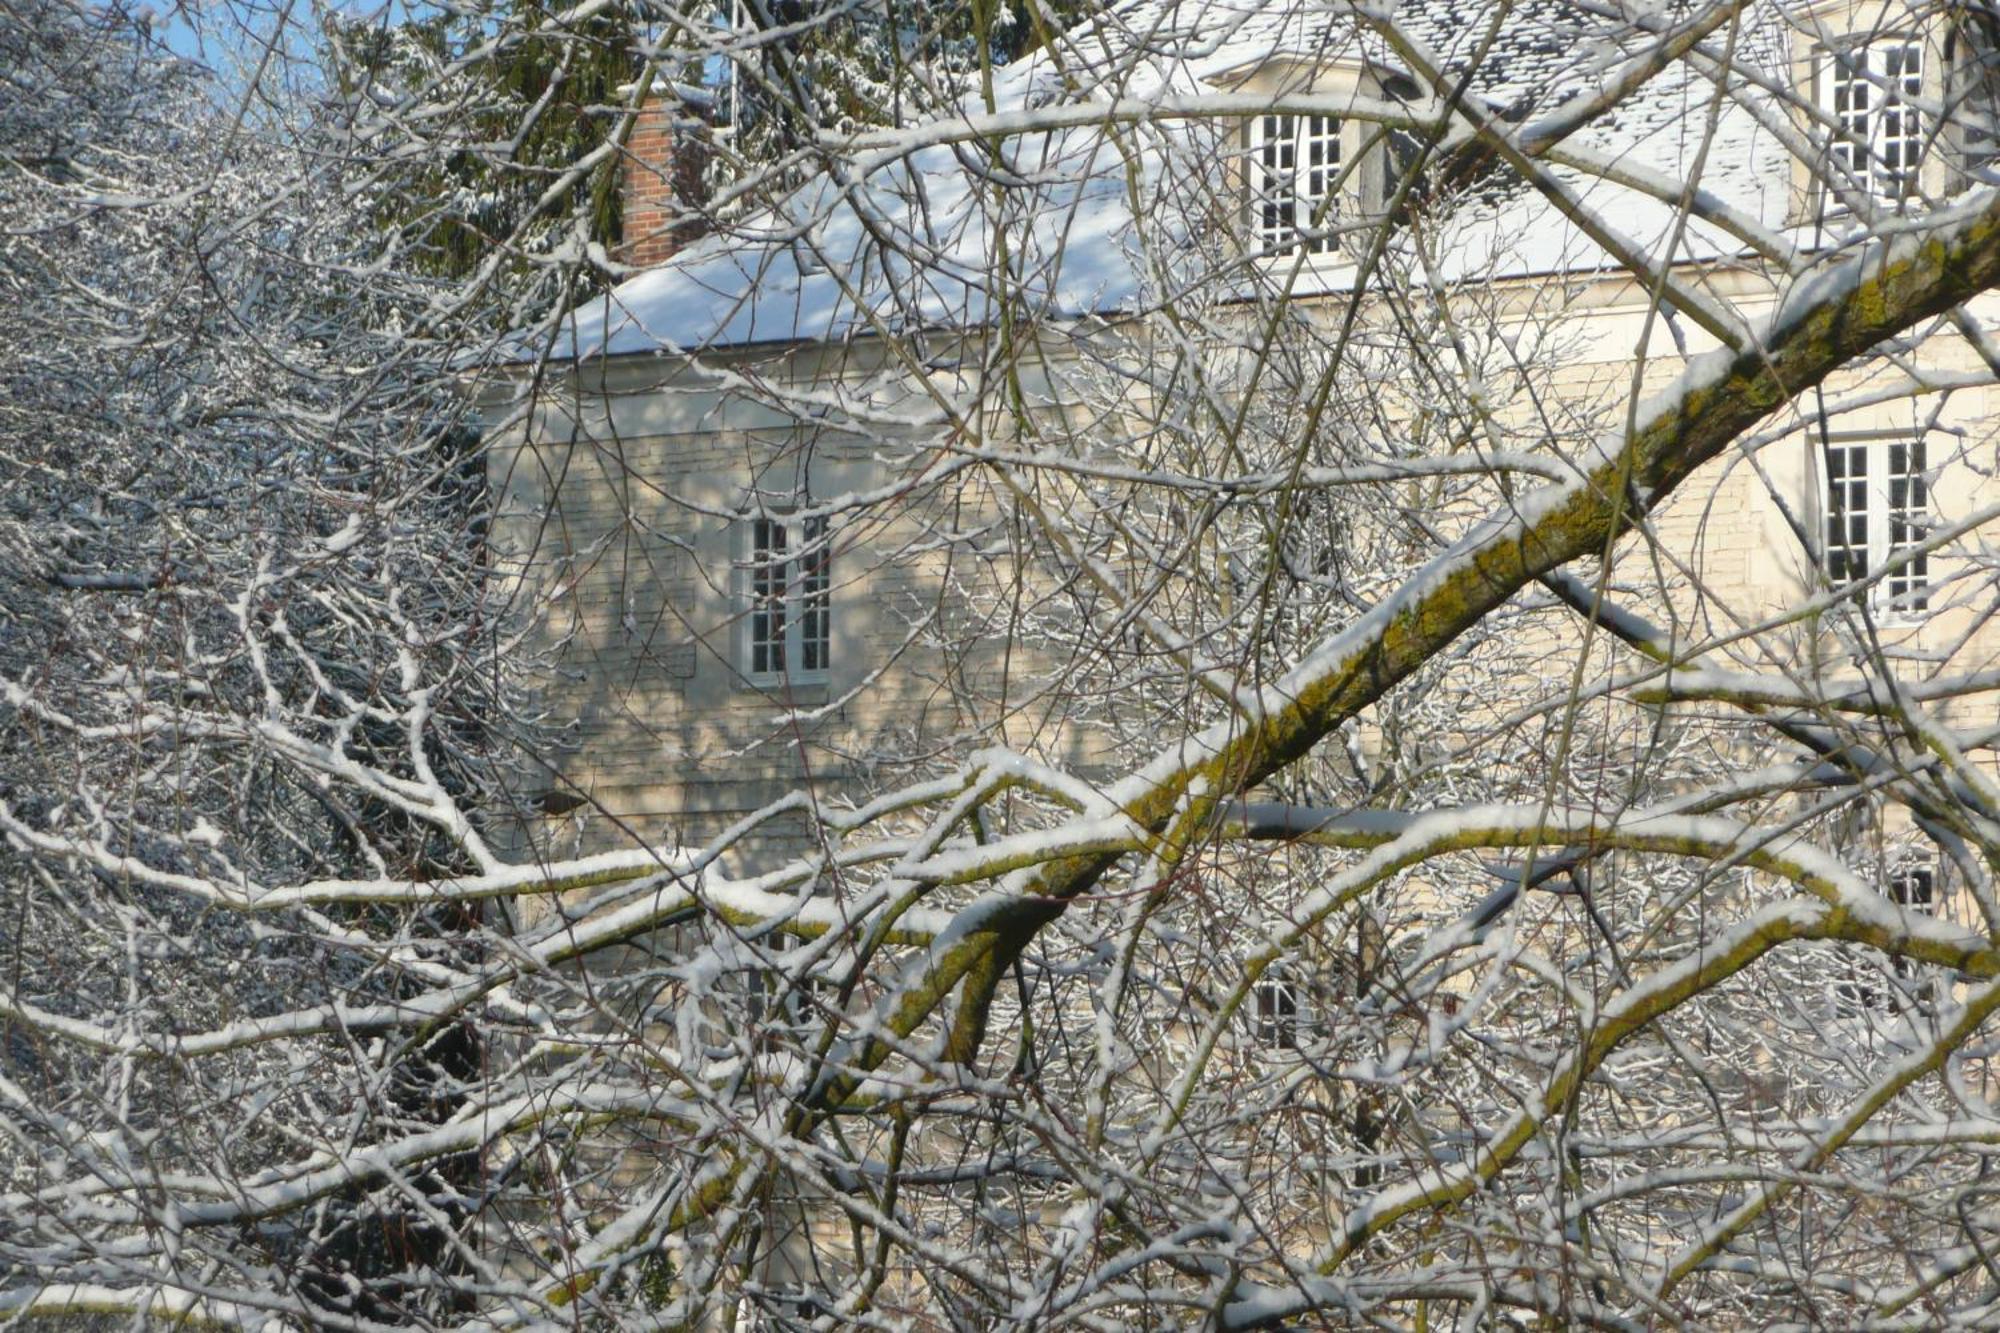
1104,213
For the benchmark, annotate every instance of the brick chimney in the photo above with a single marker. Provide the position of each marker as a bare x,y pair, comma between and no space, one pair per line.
661,181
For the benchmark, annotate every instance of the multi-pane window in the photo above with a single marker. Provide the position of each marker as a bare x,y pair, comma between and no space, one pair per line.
1910,880
1877,511
789,634
1972,94
1277,1013
1871,90
1294,171
806,1000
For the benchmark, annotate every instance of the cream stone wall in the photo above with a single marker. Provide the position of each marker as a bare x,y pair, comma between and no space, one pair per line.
615,496
614,502
619,504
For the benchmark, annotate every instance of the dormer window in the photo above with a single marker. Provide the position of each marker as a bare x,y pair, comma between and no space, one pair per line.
1906,100
1294,172
1972,93
1870,90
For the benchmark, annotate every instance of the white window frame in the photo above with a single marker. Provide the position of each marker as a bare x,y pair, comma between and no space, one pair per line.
1912,878
1277,1013
1871,89
1870,515
785,621
1970,94
1293,164
800,1000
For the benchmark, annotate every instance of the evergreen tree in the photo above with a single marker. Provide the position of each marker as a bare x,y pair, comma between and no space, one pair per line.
524,103
526,107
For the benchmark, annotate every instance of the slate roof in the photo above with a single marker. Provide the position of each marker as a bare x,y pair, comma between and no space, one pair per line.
815,267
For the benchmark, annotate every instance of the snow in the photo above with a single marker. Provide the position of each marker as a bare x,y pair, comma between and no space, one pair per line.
350,533
813,268
831,262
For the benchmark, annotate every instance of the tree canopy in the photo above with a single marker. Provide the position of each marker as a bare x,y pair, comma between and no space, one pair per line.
1362,859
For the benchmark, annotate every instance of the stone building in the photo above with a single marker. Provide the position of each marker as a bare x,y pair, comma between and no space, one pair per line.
781,480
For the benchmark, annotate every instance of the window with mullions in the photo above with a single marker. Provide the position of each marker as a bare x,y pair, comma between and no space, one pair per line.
1294,170
789,634
1277,1014
1877,509
806,1000
1910,881
1870,90
1972,94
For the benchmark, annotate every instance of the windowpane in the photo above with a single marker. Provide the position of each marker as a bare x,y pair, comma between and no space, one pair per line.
815,574
1872,96
1322,175
790,598
1277,1014
1294,169
1910,880
1909,525
1913,883
768,575
1877,510
1275,186
1846,512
